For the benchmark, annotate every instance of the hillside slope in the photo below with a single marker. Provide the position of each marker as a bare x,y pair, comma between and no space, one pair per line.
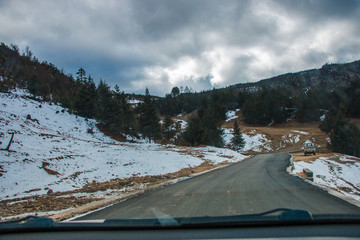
53,149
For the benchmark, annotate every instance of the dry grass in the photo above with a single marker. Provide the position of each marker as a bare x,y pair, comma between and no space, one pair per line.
354,158
301,174
311,158
332,156
276,132
49,171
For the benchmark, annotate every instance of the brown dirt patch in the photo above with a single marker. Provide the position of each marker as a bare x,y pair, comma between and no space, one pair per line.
311,158
118,137
41,204
301,174
49,171
354,159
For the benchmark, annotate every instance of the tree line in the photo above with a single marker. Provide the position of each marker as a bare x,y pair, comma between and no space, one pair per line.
343,134
266,105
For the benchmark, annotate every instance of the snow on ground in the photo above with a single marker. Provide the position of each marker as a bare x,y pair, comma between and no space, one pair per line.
340,173
254,142
53,149
183,123
134,101
230,115
300,132
289,139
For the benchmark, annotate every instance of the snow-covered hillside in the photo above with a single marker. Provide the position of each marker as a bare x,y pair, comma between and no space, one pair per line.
53,149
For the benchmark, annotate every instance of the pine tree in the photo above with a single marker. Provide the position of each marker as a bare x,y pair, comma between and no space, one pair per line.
149,120
33,86
328,123
211,119
85,98
168,123
123,120
195,131
237,141
81,75
104,106
204,128
344,135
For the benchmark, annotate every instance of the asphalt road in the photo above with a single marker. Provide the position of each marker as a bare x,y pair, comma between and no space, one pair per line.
255,185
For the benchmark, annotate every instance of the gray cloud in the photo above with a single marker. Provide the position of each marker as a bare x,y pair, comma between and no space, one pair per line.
200,44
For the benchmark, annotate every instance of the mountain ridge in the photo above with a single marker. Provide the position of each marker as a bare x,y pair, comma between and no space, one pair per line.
329,76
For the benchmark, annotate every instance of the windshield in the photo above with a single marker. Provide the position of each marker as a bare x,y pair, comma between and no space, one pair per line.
113,110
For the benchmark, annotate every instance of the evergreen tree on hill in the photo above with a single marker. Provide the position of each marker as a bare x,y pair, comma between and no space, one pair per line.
81,75
149,121
211,118
266,107
104,106
123,120
168,123
204,127
344,135
33,86
85,98
237,141
195,131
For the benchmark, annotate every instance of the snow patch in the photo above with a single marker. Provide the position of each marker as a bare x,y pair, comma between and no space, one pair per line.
256,143
230,115
322,118
300,132
134,101
342,174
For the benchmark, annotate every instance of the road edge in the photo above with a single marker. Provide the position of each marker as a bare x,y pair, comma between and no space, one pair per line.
327,189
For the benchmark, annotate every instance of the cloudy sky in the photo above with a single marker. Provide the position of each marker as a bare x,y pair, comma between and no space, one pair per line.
197,43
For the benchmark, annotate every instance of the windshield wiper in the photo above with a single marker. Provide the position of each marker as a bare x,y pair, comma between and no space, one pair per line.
30,221
286,214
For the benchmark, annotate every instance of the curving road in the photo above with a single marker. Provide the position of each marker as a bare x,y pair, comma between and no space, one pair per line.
255,185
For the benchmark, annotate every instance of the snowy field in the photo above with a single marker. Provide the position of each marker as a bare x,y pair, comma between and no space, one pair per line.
53,149
341,173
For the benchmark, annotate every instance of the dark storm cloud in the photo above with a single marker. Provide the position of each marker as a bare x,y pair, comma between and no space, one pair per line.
200,44
322,9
